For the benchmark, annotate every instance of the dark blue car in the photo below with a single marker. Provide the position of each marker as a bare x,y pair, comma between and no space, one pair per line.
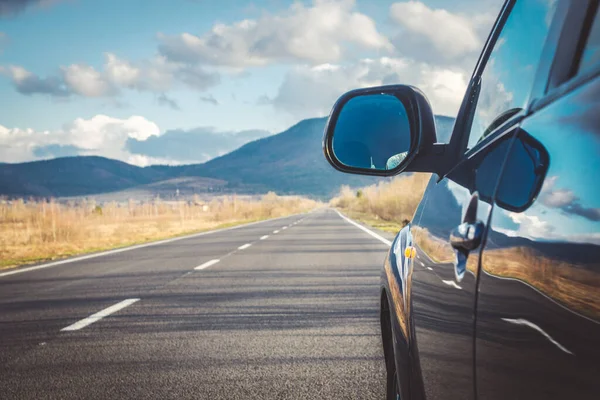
492,291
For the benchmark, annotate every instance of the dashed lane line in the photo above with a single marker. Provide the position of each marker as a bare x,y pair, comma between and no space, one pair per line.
99,315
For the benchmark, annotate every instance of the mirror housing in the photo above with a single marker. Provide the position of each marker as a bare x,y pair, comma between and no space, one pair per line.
524,172
523,162
424,153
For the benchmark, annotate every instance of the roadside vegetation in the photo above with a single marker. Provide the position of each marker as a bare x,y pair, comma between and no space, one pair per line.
388,206
391,204
33,231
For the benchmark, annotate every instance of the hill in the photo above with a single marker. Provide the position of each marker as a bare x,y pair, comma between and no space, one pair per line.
290,162
72,176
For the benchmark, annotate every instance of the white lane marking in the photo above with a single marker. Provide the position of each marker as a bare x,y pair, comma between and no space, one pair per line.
207,264
359,226
275,231
284,228
137,246
452,283
264,237
524,322
99,315
422,263
429,268
244,246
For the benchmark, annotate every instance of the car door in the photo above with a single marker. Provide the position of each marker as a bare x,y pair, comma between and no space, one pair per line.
538,309
452,218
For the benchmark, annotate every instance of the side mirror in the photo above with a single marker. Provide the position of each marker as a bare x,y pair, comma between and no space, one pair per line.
379,131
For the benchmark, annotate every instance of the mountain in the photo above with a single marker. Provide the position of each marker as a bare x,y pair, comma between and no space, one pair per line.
291,162
72,176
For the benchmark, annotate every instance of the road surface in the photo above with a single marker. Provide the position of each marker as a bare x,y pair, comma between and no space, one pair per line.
281,309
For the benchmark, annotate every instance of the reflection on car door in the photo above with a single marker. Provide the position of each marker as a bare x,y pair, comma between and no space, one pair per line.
442,308
538,310
444,279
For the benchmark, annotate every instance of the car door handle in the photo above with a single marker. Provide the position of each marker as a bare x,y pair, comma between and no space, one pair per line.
467,236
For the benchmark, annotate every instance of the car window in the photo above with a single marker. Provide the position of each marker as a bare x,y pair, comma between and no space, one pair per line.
510,70
590,56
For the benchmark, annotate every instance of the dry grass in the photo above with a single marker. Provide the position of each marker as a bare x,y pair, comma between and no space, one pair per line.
388,205
573,285
33,231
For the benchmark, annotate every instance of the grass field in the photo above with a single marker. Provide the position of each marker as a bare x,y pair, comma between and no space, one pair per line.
387,206
33,231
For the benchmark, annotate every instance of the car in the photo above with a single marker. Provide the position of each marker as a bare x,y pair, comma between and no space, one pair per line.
492,290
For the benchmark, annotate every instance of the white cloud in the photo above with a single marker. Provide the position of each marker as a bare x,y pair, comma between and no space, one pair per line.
100,135
86,81
438,36
530,226
144,161
156,75
534,227
121,72
555,198
316,34
450,33
311,91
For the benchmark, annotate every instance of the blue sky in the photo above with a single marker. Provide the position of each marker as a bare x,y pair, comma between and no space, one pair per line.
92,74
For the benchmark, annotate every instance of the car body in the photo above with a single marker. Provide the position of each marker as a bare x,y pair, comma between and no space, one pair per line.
492,291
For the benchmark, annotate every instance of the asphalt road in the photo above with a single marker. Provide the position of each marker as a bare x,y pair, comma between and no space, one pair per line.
293,315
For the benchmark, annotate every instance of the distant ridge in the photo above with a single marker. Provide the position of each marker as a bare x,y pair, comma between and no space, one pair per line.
290,162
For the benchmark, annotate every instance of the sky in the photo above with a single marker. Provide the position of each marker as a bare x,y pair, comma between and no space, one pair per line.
91,77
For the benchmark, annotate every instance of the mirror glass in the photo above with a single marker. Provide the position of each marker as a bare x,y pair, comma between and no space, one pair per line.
372,132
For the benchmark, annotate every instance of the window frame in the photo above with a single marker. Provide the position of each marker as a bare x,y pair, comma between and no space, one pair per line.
462,128
563,77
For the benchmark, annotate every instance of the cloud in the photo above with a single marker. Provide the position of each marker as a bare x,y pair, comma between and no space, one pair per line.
535,228
13,7
566,201
210,100
437,35
192,146
145,161
28,83
309,91
196,77
86,81
122,72
166,101
530,226
134,140
315,34
100,135
156,75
